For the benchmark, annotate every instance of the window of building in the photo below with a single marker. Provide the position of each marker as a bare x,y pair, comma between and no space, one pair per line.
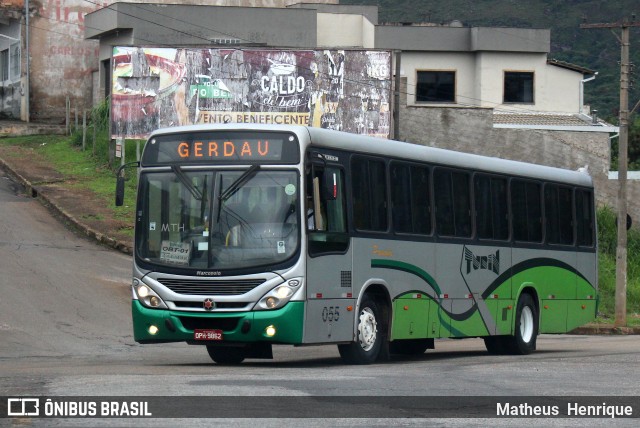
436,86
369,181
518,87
4,65
15,61
452,195
410,207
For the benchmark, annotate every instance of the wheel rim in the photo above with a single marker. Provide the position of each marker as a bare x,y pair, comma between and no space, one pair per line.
526,324
367,329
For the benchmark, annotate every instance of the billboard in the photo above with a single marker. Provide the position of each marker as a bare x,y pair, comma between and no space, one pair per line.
152,88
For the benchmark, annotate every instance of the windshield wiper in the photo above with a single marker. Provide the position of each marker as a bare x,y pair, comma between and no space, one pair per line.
186,182
239,182
235,186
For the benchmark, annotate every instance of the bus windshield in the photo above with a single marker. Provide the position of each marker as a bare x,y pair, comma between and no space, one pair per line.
222,220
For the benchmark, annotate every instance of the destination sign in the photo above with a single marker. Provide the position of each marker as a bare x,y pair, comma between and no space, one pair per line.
221,147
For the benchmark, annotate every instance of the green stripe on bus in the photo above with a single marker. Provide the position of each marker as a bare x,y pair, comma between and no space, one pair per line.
415,270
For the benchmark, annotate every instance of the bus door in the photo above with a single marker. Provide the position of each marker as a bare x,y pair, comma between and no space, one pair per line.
330,299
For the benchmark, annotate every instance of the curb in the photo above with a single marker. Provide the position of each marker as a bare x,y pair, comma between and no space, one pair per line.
51,205
605,329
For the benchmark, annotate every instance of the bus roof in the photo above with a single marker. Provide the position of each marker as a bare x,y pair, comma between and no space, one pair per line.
363,144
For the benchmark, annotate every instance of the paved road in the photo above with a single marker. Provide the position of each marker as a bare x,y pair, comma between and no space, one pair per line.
65,330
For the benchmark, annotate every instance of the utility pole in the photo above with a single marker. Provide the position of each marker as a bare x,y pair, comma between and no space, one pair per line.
623,142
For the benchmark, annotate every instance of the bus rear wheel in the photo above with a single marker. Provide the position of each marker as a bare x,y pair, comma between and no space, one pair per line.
523,341
227,356
525,333
366,348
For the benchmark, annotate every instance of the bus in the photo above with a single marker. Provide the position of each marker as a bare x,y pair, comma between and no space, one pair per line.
252,235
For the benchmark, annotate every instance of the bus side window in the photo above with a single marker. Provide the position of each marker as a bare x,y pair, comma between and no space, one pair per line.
325,210
453,203
584,218
492,216
558,214
410,206
526,207
369,194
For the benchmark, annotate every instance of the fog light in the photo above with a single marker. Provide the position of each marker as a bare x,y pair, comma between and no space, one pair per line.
271,302
270,331
153,330
154,301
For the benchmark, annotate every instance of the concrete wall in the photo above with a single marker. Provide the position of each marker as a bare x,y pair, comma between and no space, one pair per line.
344,31
471,130
510,39
555,88
480,79
240,3
463,63
182,25
462,39
63,62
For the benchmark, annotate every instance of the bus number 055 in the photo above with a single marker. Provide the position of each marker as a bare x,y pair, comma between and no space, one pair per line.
331,313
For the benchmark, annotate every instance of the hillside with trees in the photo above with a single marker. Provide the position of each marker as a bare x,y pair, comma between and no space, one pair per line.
596,49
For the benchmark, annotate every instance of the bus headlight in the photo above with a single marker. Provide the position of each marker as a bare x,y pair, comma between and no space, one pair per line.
279,296
147,296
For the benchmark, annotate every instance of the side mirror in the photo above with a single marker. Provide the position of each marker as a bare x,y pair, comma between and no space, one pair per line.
119,191
120,182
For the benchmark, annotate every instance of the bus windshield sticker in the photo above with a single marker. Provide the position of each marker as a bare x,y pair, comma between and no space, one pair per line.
290,189
175,252
281,248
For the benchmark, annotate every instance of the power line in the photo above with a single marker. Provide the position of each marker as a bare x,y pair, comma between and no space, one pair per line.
472,102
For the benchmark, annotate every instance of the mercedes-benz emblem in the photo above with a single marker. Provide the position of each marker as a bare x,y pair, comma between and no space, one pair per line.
209,304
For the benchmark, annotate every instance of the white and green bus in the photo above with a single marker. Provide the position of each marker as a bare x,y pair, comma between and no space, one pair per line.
250,235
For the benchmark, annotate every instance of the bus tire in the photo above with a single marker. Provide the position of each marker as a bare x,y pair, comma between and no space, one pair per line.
366,348
496,345
228,356
525,333
410,346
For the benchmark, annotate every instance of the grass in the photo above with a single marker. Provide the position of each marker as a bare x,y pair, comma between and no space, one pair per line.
607,241
82,169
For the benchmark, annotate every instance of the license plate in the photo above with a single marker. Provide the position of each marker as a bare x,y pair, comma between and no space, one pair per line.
202,334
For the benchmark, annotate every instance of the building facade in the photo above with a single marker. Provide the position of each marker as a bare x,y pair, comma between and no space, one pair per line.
63,62
493,91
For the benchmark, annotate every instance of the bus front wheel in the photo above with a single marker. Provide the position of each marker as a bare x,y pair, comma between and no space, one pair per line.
366,348
226,355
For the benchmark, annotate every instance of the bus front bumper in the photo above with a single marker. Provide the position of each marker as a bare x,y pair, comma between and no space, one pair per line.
162,325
